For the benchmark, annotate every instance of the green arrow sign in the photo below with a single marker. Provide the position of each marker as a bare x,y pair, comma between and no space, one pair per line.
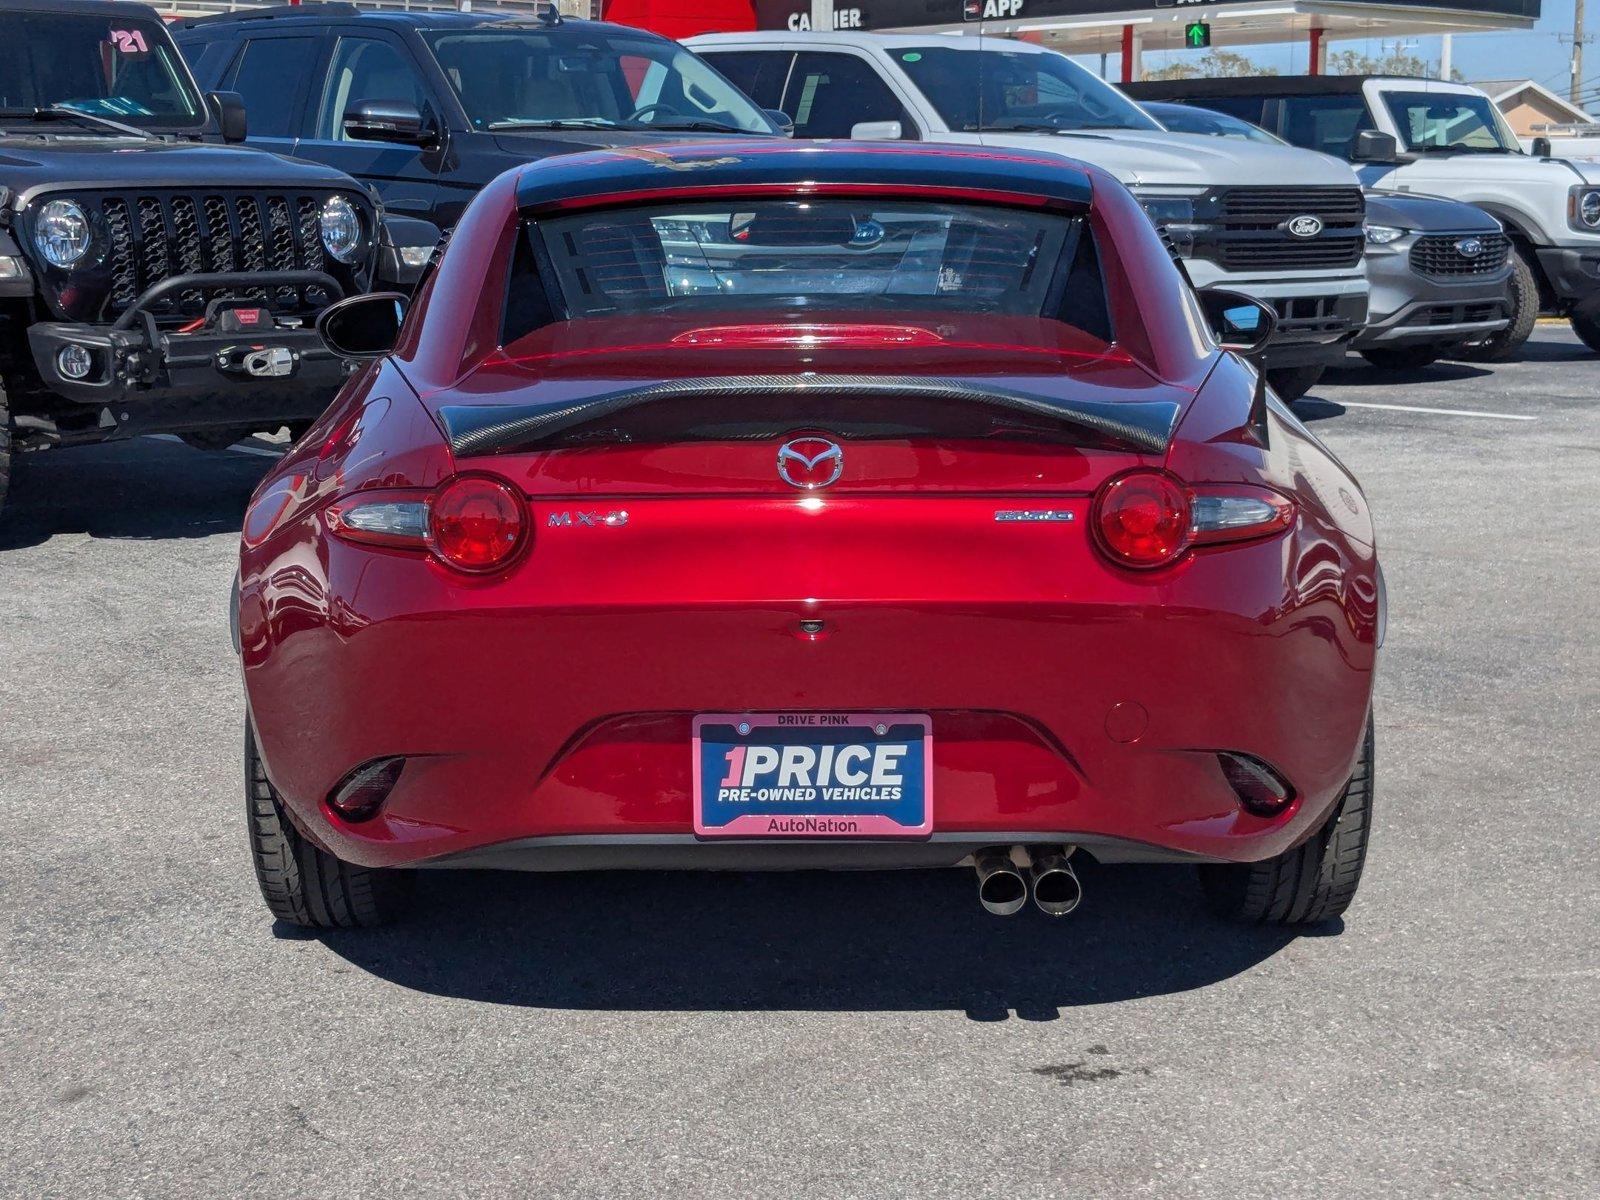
1197,35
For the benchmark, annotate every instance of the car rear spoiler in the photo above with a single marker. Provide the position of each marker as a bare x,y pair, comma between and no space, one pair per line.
1143,426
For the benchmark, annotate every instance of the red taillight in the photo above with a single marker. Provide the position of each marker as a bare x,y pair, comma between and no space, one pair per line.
1145,519
1141,519
472,523
476,523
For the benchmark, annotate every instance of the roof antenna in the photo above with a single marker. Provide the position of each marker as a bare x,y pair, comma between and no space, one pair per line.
550,14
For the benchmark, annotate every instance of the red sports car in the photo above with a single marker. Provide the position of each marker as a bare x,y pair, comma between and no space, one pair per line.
786,506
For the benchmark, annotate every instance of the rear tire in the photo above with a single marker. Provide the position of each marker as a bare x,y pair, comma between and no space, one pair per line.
1293,382
1587,328
1314,882
1523,291
1402,358
302,884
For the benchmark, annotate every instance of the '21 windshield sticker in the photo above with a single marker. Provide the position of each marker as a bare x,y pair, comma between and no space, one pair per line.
129,41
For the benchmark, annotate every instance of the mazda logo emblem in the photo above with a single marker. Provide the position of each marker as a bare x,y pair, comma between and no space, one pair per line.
809,463
1305,226
1469,247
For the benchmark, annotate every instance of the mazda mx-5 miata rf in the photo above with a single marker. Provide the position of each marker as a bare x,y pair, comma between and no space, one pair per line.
788,507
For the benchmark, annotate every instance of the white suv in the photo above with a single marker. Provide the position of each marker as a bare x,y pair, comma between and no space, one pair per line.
1275,222
1439,139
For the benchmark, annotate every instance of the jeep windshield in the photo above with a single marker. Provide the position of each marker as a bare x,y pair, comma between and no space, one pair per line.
566,78
124,68
1011,91
1432,122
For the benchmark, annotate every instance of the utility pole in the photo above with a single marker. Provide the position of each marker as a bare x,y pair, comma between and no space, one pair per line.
1577,50
1577,39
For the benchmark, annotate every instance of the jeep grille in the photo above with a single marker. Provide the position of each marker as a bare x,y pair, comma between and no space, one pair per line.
155,235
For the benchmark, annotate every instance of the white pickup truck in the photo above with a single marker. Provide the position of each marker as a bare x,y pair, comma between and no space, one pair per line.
1274,222
1439,139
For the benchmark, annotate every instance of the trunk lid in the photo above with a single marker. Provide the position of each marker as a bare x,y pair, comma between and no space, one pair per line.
658,407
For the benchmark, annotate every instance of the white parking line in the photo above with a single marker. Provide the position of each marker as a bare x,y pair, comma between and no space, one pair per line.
260,451
1438,412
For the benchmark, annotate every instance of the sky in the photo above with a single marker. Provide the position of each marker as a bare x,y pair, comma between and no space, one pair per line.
1535,54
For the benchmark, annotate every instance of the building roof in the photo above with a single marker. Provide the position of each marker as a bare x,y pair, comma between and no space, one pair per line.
1500,89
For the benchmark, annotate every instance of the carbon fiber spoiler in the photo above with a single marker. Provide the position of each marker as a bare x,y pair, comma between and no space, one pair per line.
1143,426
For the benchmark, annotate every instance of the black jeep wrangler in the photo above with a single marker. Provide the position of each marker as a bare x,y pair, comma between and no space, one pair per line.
152,278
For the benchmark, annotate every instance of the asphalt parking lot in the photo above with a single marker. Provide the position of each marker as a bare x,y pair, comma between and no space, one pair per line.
851,1035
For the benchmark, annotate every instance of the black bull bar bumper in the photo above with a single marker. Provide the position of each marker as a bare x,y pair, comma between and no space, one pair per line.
154,380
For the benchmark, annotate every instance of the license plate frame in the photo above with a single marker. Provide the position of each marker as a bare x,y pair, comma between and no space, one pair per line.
832,811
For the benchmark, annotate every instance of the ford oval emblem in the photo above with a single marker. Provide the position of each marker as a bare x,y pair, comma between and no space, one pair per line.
1305,226
1469,247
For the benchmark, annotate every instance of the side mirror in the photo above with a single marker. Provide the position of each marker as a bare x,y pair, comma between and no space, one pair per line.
781,119
1374,147
875,131
363,326
1542,148
387,121
405,247
229,110
1241,323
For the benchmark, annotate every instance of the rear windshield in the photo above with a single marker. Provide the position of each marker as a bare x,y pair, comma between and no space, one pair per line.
820,254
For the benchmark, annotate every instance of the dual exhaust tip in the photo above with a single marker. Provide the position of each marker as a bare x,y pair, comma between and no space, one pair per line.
1003,888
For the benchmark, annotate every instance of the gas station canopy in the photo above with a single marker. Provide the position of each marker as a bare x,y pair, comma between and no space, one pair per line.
1103,26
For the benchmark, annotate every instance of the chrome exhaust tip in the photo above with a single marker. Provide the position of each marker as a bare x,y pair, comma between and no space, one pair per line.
1001,887
1056,889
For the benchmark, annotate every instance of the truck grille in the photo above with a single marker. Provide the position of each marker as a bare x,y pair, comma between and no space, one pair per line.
153,236
1250,228
1440,254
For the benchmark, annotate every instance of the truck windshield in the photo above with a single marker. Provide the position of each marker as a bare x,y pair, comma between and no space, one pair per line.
1016,91
826,255
124,67
529,79
1433,121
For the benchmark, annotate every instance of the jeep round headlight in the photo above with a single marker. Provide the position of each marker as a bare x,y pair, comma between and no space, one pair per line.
62,233
1589,209
341,229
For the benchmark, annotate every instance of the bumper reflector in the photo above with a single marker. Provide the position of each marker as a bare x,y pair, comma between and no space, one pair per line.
365,789
1260,789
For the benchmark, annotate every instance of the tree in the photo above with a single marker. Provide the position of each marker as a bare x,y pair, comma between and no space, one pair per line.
1217,64
1393,61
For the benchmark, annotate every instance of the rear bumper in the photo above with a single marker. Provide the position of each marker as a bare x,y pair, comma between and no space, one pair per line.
1068,704
685,852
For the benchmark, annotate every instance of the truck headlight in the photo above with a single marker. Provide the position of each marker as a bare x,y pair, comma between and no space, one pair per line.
1382,235
1583,209
62,233
340,224
1169,210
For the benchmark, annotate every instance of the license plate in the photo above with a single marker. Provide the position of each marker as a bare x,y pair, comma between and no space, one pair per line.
813,775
